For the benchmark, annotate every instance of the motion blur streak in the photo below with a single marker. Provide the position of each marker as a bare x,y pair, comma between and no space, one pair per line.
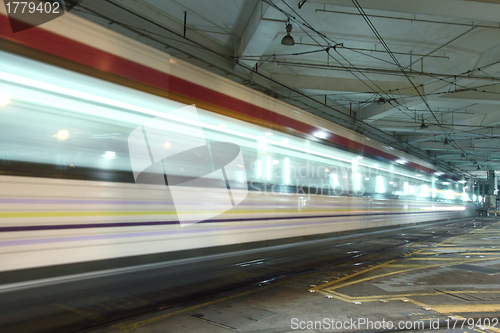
67,189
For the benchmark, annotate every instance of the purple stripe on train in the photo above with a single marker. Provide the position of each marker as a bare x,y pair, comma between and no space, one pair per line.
157,233
153,223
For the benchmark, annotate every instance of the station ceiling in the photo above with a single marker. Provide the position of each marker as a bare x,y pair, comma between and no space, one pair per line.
420,75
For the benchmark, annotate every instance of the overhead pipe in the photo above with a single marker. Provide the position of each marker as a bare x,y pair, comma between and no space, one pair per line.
381,70
413,19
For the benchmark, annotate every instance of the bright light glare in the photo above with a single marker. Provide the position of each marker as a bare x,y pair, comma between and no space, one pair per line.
424,191
465,196
62,135
449,194
4,99
401,161
109,154
380,184
357,182
258,171
443,208
276,162
268,133
321,134
411,190
359,157
166,145
334,180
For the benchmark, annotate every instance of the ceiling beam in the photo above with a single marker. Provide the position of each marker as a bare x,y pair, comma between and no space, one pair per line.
265,24
473,11
465,146
491,96
340,84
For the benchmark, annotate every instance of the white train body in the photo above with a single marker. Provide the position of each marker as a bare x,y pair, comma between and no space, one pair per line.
67,191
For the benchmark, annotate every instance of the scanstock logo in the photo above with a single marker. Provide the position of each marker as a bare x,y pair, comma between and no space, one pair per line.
204,179
28,14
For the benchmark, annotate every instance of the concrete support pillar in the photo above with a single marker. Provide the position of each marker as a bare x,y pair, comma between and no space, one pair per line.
492,182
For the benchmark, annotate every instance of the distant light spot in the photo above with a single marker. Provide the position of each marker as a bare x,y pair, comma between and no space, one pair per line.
62,135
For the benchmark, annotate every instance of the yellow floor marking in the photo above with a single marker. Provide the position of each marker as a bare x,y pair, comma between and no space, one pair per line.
443,242
78,311
466,308
376,298
336,284
417,243
414,265
461,253
323,286
472,242
328,288
428,259
373,298
455,247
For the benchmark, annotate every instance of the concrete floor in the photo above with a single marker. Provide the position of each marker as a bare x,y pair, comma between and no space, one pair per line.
450,281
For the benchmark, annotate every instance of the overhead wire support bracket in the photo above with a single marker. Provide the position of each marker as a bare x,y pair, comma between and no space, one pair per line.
185,23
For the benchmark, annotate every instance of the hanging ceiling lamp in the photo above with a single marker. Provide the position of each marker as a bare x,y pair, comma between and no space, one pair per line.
423,124
288,39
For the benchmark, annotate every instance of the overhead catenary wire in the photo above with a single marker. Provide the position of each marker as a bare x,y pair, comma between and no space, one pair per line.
325,38
396,62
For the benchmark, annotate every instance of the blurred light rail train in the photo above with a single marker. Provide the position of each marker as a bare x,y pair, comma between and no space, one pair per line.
75,91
